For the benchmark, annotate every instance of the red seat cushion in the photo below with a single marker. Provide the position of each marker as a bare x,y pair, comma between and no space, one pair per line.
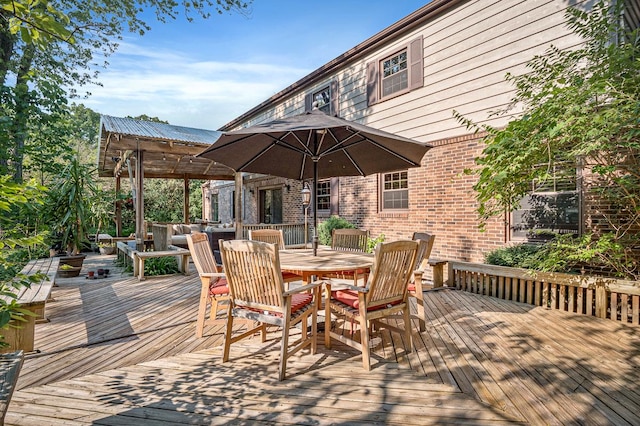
218,287
412,287
350,297
298,301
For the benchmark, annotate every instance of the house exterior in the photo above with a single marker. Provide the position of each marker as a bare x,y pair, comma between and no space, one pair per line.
450,55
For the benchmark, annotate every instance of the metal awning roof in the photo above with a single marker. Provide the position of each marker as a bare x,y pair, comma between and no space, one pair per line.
169,151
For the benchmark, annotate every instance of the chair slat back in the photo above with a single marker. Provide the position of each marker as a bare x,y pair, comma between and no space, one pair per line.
392,269
424,251
201,253
271,236
349,240
253,272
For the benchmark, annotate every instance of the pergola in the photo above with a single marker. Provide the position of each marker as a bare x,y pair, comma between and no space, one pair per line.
137,149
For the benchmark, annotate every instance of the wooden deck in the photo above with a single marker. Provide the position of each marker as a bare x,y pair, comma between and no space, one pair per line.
120,351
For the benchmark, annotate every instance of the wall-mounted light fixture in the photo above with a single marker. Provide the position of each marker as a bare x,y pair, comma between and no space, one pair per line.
164,157
288,187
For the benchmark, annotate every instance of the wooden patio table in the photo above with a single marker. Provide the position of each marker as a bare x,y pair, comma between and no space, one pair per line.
302,262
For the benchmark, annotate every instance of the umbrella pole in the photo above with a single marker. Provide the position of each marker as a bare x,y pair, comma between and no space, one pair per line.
315,209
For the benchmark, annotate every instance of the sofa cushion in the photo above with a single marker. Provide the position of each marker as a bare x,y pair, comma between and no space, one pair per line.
186,229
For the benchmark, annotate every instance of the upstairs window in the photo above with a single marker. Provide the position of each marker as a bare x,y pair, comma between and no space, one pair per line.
324,98
397,73
395,191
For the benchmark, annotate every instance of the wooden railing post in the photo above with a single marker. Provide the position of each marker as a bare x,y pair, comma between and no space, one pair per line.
601,300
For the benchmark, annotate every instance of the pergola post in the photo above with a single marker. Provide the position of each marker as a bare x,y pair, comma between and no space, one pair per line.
118,205
185,212
141,232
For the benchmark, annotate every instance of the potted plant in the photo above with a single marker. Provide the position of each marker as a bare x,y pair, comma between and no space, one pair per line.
69,207
106,248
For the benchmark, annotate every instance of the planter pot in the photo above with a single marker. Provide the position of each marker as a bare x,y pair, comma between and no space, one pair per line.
75,260
107,250
69,273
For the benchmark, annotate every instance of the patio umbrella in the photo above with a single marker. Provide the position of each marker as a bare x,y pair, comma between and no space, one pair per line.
315,145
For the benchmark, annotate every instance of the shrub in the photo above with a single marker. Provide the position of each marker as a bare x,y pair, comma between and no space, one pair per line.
373,242
334,222
161,266
518,256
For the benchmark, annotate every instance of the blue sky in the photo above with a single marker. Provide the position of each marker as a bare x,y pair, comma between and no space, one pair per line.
205,73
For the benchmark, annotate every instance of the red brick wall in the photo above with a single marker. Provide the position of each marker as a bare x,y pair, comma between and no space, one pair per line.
441,202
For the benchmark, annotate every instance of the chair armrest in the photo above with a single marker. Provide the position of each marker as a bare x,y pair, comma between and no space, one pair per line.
351,287
213,275
303,289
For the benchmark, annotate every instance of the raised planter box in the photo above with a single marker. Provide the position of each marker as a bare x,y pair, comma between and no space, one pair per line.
610,298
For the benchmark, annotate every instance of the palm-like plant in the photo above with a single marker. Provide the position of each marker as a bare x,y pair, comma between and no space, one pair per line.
70,205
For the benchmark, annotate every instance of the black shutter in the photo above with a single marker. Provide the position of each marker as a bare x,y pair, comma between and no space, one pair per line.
335,196
372,83
308,102
416,60
335,99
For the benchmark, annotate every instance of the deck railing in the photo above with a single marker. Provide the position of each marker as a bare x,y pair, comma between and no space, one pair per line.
293,232
618,300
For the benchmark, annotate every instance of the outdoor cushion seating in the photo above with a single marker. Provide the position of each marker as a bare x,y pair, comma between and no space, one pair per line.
385,294
258,294
422,261
214,286
274,236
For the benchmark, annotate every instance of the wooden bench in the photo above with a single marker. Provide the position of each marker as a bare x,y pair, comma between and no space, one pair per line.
10,365
139,258
33,299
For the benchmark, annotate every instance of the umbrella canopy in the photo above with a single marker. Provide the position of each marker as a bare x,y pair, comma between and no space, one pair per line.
315,145
290,147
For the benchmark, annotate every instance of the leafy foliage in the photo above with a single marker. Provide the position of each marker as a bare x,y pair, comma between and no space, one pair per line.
326,227
69,205
373,242
578,107
518,256
50,49
161,266
16,243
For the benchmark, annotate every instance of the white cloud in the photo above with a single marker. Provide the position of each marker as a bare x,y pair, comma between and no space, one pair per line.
184,90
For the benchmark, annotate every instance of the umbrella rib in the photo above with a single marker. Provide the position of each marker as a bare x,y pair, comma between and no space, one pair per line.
337,147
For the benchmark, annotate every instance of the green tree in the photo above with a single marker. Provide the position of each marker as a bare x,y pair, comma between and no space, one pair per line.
579,107
49,48
14,199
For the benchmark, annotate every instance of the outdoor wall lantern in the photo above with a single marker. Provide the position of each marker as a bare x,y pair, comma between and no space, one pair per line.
306,200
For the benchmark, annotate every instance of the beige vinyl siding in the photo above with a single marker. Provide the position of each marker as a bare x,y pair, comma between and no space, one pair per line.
467,54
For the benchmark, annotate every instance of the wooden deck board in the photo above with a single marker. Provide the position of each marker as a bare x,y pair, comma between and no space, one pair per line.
121,351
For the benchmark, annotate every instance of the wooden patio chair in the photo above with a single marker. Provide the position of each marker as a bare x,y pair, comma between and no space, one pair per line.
422,262
350,240
385,294
214,286
274,236
258,294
